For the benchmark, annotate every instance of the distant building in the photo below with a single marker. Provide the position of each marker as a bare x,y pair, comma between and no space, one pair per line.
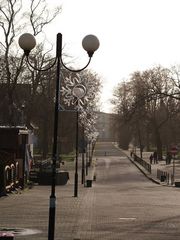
107,126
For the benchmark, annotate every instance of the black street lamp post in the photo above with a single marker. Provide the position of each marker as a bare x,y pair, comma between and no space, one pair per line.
77,155
86,160
27,42
83,151
79,91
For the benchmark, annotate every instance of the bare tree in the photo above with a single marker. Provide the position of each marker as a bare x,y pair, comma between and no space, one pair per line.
146,104
11,26
40,16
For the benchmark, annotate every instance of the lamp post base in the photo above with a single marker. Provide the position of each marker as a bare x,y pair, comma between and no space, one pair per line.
52,210
76,185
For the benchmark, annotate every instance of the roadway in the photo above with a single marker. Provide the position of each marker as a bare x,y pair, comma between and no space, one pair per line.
129,206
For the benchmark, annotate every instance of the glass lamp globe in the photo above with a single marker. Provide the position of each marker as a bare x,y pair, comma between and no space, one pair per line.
90,44
27,42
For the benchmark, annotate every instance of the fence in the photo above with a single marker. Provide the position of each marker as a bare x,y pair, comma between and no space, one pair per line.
143,163
164,176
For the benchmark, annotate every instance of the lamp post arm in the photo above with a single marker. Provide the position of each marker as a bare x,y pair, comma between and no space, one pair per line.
73,70
40,69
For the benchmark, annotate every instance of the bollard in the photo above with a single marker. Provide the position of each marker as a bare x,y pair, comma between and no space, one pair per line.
6,236
89,183
168,179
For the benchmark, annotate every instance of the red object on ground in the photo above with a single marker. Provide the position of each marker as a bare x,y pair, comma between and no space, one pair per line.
6,236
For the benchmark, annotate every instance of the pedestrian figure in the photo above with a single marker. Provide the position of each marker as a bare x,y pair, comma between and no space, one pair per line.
151,158
155,157
168,158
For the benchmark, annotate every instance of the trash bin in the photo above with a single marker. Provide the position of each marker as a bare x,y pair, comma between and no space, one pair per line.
6,236
177,184
94,178
163,178
89,183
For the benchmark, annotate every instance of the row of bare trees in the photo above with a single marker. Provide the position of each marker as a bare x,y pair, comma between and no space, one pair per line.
26,95
148,109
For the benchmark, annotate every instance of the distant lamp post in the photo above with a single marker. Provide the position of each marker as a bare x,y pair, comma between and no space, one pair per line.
174,151
27,42
22,114
87,120
78,91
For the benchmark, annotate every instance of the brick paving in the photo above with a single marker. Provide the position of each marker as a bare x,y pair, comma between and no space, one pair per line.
28,210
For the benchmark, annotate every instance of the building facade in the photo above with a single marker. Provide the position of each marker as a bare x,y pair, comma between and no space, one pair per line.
107,127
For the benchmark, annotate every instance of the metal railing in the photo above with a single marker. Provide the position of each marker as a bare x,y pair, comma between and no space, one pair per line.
164,176
143,163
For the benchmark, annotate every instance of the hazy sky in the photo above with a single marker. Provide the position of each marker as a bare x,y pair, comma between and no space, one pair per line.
134,35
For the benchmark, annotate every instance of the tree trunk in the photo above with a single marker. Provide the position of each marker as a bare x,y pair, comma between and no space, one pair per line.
45,140
158,144
140,141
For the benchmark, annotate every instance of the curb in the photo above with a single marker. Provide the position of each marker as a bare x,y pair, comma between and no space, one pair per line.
145,174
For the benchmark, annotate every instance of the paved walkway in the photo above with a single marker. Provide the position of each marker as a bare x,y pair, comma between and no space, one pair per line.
25,213
28,213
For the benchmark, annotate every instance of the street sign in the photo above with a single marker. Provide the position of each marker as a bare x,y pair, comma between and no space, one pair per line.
174,150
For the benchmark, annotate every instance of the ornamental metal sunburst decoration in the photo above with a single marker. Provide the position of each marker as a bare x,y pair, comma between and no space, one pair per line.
78,90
